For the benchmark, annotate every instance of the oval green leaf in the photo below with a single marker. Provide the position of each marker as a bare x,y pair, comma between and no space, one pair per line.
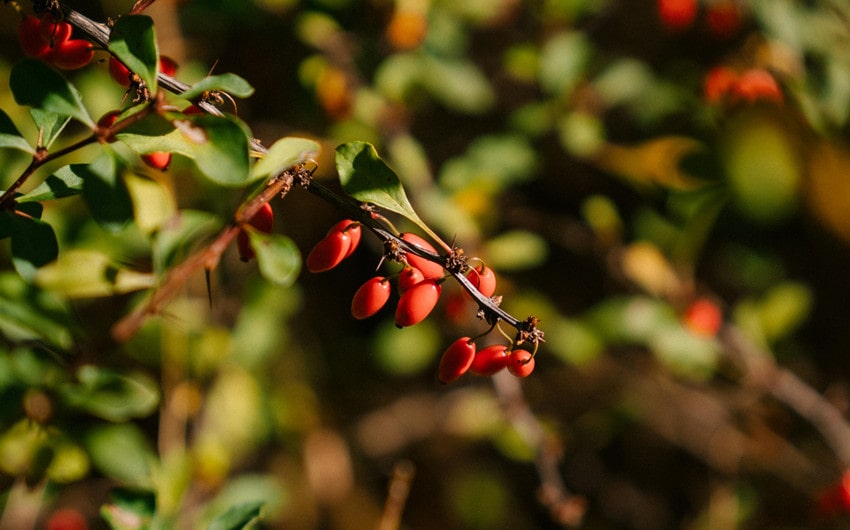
237,517
219,146
10,137
34,84
278,257
230,83
33,245
283,154
133,42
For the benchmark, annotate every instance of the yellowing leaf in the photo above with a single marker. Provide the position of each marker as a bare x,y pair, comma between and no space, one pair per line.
655,162
828,188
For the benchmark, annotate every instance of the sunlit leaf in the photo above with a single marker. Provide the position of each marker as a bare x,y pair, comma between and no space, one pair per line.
278,256
49,124
283,154
82,273
237,517
36,85
65,182
516,249
129,509
112,396
366,177
459,85
10,137
121,451
230,83
219,146
133,42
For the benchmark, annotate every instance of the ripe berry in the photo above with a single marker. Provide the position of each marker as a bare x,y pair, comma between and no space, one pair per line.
757,84
370,297
429,269
484,279
119,73
723,19
73,54
490,360
409,277
718,83
417,302
167,65
703,317
520,363
157,160
329,252
352,228
263,221
66,519
677,15
106,121
32,42
456,360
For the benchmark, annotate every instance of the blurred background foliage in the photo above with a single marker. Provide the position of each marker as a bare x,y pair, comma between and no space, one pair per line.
580,149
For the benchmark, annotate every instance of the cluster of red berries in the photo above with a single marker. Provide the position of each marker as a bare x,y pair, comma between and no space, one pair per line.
419,285
722,17
50,41
725,84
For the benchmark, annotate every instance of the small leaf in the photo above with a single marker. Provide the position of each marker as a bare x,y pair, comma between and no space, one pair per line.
278,257
129,509
82,273
10,137
366,177
133,42
105,192
112,396
64,183
230,83
36,85
121,451
33,245
49,124
220,148
283,154
33,209
237,517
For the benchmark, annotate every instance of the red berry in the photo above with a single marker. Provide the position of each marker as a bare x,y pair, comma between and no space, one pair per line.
52,32
409,277
757,84
73,54
417,302
718,83
429,269
456,360
119,73
66,519
352,228
677,15
370,297
484,279
263,221
29,35
329,252
167,65
520,363
703,317
157,160
490,360
723,19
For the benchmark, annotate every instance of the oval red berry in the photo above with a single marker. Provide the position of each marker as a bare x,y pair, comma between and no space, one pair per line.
352,228
490,360
73,54
429,269
521,363
167,65
119,73
329,252
409,277
417,303
456,360
484,279
157,160
29,35
370,297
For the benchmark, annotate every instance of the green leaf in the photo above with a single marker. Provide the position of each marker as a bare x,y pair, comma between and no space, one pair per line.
33,245
283,154
129,509
105,192
121,451
49,124
111,396
366,177
155,133
64,183
220,148
36,85
30,314
133,42
230,83
278,257
238,517
10,137
81,273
